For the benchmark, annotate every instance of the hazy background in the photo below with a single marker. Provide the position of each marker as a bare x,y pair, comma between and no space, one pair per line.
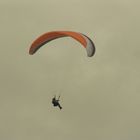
100,96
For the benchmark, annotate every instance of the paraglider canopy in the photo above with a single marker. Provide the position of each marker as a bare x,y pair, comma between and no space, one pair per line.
45,38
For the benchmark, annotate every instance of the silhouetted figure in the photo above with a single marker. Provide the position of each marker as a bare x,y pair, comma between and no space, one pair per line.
56,102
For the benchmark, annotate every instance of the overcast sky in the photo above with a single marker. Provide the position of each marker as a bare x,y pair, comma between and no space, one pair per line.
100,95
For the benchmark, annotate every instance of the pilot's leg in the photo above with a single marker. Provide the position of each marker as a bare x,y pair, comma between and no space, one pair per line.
59,106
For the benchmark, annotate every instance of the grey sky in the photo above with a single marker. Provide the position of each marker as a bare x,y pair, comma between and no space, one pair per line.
100,95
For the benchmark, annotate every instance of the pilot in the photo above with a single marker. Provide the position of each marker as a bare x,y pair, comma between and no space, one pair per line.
55,102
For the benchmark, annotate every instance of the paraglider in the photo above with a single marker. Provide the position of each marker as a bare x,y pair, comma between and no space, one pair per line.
84,40
55,102
49,36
